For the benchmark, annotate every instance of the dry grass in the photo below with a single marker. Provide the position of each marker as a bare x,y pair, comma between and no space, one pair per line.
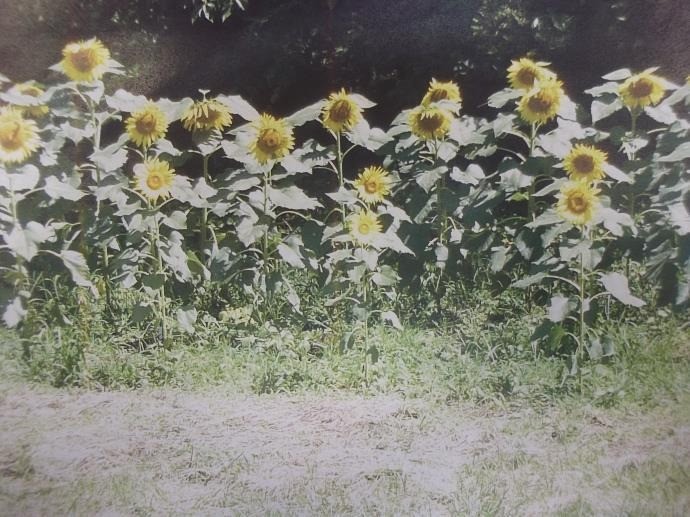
167,452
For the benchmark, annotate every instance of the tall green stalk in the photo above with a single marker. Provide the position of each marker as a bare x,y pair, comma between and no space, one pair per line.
341,175
531,204
162,301
203,230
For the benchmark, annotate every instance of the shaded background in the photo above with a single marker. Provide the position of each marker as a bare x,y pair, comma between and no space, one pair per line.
284,54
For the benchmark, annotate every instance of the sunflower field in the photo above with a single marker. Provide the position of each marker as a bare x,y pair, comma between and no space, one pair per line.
174,216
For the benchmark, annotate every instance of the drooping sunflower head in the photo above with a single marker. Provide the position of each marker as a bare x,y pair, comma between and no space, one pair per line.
541,103
578,202
31,90
364,227
523,73
85,60
642,90
585,163
341,112
373,184
429,122
18,136
147,125
154,179
441,91
273,139
206,115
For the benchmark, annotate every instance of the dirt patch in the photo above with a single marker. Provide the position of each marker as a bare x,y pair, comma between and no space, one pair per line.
166,452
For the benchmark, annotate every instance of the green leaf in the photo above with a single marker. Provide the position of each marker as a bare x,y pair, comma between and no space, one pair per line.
680,218
602,110
239,106
498,258
122,100
682,152
662,114
471,176
292,198
428,179
176,220
111,158
513,180
392,318
290,251
617,285
618,75
24,241
306,114
26,179
362,101
186,318
14,312
141,312
500,99
559,309
616,174
78,268
57,189
529,280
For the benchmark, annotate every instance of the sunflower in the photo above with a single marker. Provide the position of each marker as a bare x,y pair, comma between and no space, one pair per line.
364,227
154,179
585,163
206,115
273,139
18,136
429,122
373,184
85,60
542,102
577,202
340,112
31,90
642,90
147,125
522,74
440,91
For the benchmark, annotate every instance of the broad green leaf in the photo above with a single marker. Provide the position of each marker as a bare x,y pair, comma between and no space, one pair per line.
392,318
239,106
76,265
662,114
682,152
186,318
513,180
559,309
292,198
602,110
362,101
307,114
122,100
174,110
57,189
616,174
176,220
26,179
471,176
617,285
500,99
290,251
14,312
498,258
618,75
109,159
680,218
529,280
141,312
428,179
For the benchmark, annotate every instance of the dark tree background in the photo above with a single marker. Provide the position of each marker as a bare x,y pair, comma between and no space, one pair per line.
283,54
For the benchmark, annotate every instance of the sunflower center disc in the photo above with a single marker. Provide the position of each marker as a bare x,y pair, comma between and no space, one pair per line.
340,111
371,186
431,123
9,135
641,88
584,164
364,228
146,124
154,181
577,203
539,104
526,76
270,140
83,60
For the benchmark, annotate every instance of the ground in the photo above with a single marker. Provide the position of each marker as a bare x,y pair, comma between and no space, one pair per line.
210,453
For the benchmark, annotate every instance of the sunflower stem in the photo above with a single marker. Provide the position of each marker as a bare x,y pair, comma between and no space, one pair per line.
265,266
531,205
631,194
581,340
155,251
341,175
203,232
366,329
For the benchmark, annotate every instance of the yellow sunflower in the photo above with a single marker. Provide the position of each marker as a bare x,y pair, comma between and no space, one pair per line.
206,115
273,139
85,60
441,91
577,202
642,90
340,112
364,227
429,122
542,102
147,125
373,184
37,111
523,73
585,163
154,179
18,136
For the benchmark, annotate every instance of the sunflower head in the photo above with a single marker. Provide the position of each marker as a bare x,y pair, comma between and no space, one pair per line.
364,227
577,202
147,125
429,122
523,73
273,139
18,136
541,103
154,179
85,60
642,90
585,163
340,112
373,184
32,90
441,91
206,115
